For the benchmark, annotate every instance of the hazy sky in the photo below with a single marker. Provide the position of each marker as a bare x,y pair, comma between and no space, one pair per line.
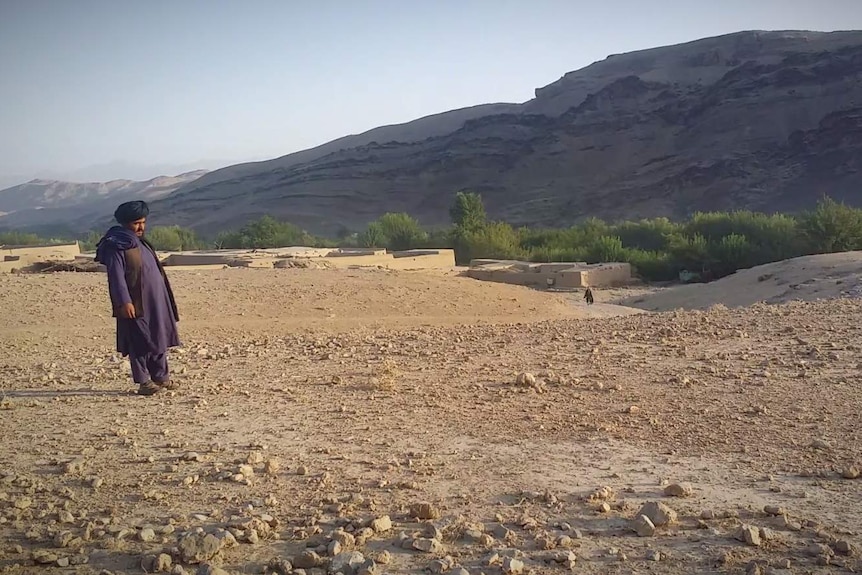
171,82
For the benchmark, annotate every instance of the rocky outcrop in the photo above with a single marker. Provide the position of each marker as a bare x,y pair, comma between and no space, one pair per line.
761,120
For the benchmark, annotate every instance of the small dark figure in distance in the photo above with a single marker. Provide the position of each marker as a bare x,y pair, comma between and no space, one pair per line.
588,295
141,298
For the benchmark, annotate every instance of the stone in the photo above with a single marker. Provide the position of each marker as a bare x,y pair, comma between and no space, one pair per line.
272,466
643,526
774,510
749,535
347,563
63,562
65,517
679,490
424,511
427,545
347,540
844,547
147,535
43,557
459,571
162,563
658,513
199,547
63,539
384,557
512,565
851,473
307,560
22,503
472,535
382,524
653,555
526,379
440,566
791,524
369,567
334,548
767,534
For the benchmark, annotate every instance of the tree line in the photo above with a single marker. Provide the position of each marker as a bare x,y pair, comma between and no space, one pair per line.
707,245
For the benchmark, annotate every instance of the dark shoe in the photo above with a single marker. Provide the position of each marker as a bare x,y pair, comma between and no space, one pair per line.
149,388
167,384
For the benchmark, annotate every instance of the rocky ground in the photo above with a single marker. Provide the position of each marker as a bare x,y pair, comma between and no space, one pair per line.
378,422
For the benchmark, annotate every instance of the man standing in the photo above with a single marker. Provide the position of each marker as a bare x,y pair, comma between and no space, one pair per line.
141,297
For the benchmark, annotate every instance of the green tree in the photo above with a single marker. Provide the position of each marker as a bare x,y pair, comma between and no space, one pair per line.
267,232
394,231
468,211
833,227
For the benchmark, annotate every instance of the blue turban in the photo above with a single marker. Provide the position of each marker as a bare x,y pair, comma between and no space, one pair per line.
131,211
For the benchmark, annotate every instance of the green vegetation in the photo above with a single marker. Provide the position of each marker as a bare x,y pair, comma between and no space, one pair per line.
710,245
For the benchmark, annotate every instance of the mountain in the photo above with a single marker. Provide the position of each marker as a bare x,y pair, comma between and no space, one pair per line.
759,120
77,206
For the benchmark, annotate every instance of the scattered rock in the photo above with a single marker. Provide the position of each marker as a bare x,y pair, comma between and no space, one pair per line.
427,545
679,490
844,547
774,510
424,511
147,535
43,557
347,563
851,473
749,535
512,565
643,526
653,555
199,547
382,524
307,560
440,566
658,513
526,379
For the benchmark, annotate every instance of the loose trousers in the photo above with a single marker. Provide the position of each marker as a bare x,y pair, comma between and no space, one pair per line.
149,367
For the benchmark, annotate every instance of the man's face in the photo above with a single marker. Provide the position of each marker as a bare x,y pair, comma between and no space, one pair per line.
138,226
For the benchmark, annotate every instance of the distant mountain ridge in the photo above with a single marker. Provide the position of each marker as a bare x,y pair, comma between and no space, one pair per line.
79,205
759,120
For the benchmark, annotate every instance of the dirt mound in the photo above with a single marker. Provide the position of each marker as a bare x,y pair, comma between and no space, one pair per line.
808,278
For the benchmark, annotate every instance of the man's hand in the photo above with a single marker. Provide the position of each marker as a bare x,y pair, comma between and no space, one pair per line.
127,311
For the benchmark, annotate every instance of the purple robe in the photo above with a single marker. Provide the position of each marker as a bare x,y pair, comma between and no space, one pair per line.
156,330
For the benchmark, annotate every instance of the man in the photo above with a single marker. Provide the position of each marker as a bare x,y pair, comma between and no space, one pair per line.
588,295
141,297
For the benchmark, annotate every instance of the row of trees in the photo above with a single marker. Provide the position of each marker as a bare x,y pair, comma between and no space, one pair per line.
712,244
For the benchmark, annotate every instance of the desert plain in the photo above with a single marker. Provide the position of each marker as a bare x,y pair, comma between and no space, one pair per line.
371,421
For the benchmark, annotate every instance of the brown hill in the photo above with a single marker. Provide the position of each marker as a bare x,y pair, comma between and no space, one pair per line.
759,120
77,205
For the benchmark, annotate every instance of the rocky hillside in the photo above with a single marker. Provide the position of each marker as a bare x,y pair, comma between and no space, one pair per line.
77,206
760,120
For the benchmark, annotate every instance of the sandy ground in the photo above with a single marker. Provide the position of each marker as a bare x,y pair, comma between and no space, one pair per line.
807,278
325,410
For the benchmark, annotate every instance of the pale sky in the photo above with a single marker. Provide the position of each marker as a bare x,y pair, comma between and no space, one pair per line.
168,83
